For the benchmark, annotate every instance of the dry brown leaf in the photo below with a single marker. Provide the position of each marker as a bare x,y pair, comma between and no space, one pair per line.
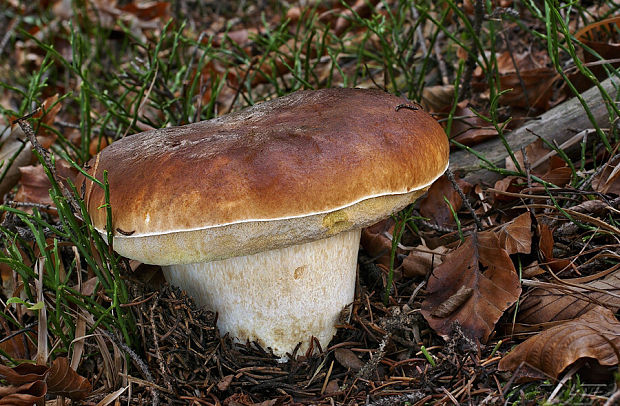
599,37
545,246
593,335
479,264
543,305
348,359
148,11
516,235
225,382
436,99
62,380
511,184
435,207
528,75
23,373
376,243
468,128
608,180
20,346
27,394
34,186
422,260
550,168
362,8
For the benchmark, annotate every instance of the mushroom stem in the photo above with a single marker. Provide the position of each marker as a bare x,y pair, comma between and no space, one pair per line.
278,298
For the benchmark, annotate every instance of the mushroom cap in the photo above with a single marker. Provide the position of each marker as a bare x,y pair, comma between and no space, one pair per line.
286,171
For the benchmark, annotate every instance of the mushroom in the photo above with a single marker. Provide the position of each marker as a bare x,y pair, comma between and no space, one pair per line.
257,214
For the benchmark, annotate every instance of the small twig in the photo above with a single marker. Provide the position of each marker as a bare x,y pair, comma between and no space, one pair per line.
30,204
415,292
465,199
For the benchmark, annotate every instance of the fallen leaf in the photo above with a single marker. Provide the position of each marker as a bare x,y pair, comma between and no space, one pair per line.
421,261
27,394
332,387
225,382
511,184
608,180
528,75
434,206
23,373
20,346
362,8
516,235
148,11
483,266
468,128
376,243
598,36
543,305
34,186
594,335
436,99
59,379
545,246
62,380
348,359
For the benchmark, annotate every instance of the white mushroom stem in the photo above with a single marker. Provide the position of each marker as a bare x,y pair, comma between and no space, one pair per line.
278,298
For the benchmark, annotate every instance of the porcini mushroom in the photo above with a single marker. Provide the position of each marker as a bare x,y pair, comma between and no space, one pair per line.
257,214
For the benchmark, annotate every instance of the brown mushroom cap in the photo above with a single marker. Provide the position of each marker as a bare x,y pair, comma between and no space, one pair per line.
286,171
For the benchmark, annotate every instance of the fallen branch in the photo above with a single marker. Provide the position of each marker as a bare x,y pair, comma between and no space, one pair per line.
559,125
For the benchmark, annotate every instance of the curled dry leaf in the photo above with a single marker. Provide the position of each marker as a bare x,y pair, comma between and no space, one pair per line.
422,260
594,335
468,128
527,74
510,184
608,180
435,207
20,346
62,380
598,36
23,373
148,11
436,99
27,394
543,163
59,379
516,235
362,8
376,243
348,359
564,303
545,246
483,266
